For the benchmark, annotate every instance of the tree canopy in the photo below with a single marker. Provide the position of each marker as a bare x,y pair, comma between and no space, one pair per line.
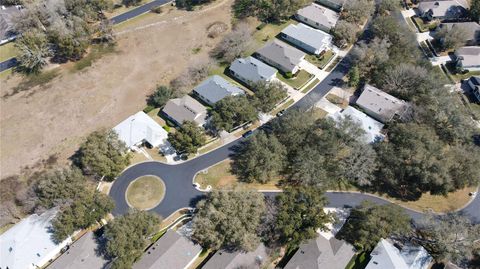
102,154
188,138
126,237
268,95
229,219
368,223
160,96
267,10
260,158
232,111
300,214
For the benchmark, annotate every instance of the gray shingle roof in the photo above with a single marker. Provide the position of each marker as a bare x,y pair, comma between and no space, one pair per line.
383,105
6,20
185,108
82,254
320,15
322,253
282,54
470,55
308,35
216,88
172,251
443,8
233,260
252,69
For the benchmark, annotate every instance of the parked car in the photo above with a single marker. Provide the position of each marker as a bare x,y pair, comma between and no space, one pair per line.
280,113
247,134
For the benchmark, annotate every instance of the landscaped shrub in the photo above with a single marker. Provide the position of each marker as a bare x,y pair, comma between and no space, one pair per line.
289,75
148,109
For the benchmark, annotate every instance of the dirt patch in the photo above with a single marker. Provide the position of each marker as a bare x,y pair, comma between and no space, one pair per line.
54,118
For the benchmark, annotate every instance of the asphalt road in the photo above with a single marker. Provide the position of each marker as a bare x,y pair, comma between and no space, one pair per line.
12,62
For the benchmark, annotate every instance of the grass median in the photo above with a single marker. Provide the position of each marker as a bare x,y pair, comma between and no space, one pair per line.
145,192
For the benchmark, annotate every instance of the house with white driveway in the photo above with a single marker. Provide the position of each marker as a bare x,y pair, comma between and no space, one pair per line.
28,244
387,255
139,129
215,88
172,251
381,105
281,56
468,58
318,17
250,70
183,109
371,127
307,38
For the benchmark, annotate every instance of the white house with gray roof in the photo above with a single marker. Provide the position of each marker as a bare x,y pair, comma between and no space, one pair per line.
281,56
307,38
381,105
322,253
468,58
250,70
238,259
215,88
442,9
318,17
386,255
183,109
172,251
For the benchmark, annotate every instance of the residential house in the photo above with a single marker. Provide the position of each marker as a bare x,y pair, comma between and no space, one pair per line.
238,259
468,58
380,105
81,254
386,255
250,70
318,17
185,109
371,127
7,15
172,251
28,244
322,253
282,56
140,128
307,38
441,9
471,29
474,83
332,4
215,88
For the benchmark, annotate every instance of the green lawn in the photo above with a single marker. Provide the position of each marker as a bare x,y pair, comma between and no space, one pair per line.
458,76
337,100
282,107
145,192
359,261
311,85
8,51
268,32
333,64
424,26
320,60
95,53
297,81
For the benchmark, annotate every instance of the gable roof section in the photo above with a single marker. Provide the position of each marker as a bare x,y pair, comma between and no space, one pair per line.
383,105
233,260
141,127
319,14
252,69
172,250
82,254
443,8
28,244
216,88
322,253
470,55
386,255
282,54
185,108
308,35
371,126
